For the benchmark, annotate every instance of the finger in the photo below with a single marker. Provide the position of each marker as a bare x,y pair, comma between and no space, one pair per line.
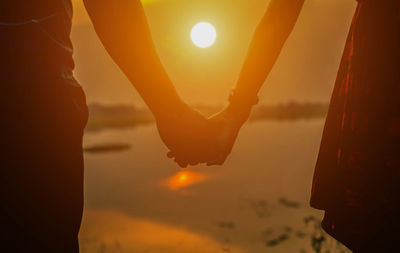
194,163
220,159
182,163
213,163
199,158
219,156
213,160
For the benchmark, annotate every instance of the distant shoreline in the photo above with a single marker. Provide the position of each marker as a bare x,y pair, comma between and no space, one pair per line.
103,117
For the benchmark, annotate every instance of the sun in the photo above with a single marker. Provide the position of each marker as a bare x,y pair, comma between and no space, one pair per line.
203,35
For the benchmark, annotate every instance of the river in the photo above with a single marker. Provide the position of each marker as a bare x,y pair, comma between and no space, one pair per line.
138,200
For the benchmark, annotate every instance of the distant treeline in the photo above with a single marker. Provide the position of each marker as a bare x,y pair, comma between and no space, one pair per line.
127,116
290,111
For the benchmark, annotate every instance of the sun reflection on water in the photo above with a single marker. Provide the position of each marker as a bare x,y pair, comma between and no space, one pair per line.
184,179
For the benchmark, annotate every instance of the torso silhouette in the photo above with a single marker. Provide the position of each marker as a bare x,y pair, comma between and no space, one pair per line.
39,32
43,112
358,170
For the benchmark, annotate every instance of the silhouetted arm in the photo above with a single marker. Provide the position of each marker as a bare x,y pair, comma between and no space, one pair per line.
267,43
123,29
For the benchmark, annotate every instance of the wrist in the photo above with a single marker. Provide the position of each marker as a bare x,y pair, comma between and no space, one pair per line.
237,116
240,106
171,110
242,101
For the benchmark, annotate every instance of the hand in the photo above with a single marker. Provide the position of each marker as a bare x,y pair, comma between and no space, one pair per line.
189,136
227,124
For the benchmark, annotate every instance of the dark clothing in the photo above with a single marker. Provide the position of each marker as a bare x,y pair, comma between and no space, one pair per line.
41,166
43,113
384,238
357,177
35,40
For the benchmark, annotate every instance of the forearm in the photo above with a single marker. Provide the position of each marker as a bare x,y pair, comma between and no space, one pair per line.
267,43
123,29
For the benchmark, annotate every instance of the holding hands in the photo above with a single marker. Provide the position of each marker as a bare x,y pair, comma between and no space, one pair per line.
193,139
197,140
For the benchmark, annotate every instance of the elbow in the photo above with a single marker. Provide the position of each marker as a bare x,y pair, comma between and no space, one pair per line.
87,3
89,6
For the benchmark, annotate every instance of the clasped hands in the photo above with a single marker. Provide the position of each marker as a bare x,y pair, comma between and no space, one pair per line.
193,139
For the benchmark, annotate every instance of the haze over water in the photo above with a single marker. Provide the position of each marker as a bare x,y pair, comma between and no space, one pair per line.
137,200
260,194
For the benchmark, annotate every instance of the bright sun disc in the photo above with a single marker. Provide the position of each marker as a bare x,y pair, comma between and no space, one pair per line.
204,34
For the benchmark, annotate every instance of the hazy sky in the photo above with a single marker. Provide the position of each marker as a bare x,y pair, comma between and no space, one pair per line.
305,71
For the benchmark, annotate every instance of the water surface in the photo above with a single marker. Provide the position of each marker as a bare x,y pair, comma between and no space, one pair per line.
138,200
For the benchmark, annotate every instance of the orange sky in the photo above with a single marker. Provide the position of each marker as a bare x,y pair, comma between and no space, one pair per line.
306,69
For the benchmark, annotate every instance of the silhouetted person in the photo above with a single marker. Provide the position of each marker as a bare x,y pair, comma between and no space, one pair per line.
43,114
357,177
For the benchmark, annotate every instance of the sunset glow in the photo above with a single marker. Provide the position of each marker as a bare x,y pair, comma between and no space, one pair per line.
204,35
200,126
184,179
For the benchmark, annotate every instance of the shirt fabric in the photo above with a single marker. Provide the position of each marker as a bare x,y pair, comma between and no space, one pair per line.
44,113
357,174
35,40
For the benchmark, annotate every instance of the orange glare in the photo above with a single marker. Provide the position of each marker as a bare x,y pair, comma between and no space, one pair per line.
184,179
